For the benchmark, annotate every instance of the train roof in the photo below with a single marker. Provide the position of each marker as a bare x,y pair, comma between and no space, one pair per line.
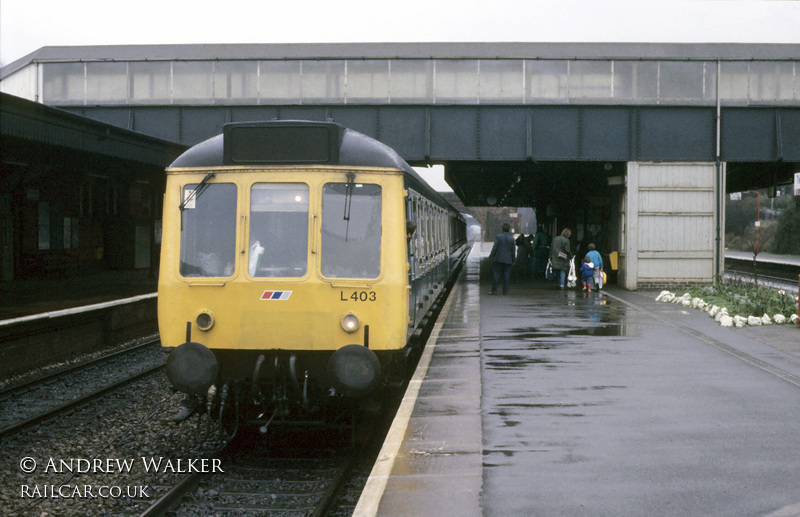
297,143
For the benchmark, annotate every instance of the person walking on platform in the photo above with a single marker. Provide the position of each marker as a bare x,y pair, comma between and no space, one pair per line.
502,255
559,256
541,242
523,252
597,260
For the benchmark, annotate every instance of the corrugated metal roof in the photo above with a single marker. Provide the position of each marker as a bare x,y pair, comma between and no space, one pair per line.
693,51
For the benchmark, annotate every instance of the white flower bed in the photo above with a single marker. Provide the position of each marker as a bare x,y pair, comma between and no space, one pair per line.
720,314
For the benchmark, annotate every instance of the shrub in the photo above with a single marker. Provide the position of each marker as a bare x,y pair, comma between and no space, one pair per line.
747,299
785,239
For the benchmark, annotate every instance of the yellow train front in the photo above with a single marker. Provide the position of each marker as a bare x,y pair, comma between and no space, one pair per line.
289,285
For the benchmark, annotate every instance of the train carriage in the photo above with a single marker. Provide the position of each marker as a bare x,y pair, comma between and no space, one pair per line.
289,281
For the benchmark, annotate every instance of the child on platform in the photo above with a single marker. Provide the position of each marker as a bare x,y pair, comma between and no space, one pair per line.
587,273
597,260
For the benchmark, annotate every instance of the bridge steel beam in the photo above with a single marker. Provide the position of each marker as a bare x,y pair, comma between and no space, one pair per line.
673,196
437,133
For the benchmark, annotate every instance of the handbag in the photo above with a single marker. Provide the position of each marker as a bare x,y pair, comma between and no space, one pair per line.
572,277
548,271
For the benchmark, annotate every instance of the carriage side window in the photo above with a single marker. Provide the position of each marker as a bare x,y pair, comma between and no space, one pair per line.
208,230
351,230
278,245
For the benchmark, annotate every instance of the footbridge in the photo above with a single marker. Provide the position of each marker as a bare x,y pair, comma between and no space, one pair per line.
636,144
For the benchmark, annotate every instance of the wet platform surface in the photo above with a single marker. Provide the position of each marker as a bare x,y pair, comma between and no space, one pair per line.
548,402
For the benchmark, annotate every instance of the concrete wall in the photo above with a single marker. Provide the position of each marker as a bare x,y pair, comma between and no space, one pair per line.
669,220
31,342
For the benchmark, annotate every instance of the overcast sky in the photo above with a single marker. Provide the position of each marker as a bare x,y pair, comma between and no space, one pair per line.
27,25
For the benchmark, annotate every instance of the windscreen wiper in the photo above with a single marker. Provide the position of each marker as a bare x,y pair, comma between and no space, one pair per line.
197,190
348,201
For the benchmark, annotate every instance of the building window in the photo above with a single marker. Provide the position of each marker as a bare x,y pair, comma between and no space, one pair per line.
279,81
192,81
411,81
457,81
64,82
235,81
150,82
107,82
368,81
547,79
501,80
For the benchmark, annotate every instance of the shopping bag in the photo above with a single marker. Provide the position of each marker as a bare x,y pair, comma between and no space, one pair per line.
548,271
572,277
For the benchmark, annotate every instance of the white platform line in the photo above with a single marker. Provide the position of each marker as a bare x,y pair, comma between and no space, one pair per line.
77,310
376,484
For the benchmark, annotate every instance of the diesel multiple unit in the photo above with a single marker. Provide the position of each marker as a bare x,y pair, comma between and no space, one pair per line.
298,261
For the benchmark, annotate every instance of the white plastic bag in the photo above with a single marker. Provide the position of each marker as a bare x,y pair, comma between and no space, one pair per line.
571,277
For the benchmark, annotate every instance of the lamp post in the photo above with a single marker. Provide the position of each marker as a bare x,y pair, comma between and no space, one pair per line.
758,234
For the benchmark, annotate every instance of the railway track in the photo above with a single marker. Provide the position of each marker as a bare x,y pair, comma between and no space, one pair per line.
768,273
258,477
781,275
132,420
47,396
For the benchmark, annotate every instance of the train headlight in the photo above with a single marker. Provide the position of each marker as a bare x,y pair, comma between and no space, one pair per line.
205,320
350,323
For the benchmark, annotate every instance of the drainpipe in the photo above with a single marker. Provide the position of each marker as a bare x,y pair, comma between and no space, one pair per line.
720,195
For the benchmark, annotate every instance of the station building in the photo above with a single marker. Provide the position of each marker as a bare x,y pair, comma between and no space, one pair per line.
631,145
77,196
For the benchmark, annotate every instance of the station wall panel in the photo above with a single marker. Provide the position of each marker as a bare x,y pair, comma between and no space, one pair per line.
676,134
164,123
760,134
790,135
670,216
404,129
503,133
454,132
252,113
554,133
748,135
318,113
361,119
119,117
198,124
606,134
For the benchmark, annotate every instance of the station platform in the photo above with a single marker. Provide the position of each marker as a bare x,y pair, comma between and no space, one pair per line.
547,402
764,257
22,298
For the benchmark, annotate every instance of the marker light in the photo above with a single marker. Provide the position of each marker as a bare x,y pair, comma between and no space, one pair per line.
205,320
350,323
